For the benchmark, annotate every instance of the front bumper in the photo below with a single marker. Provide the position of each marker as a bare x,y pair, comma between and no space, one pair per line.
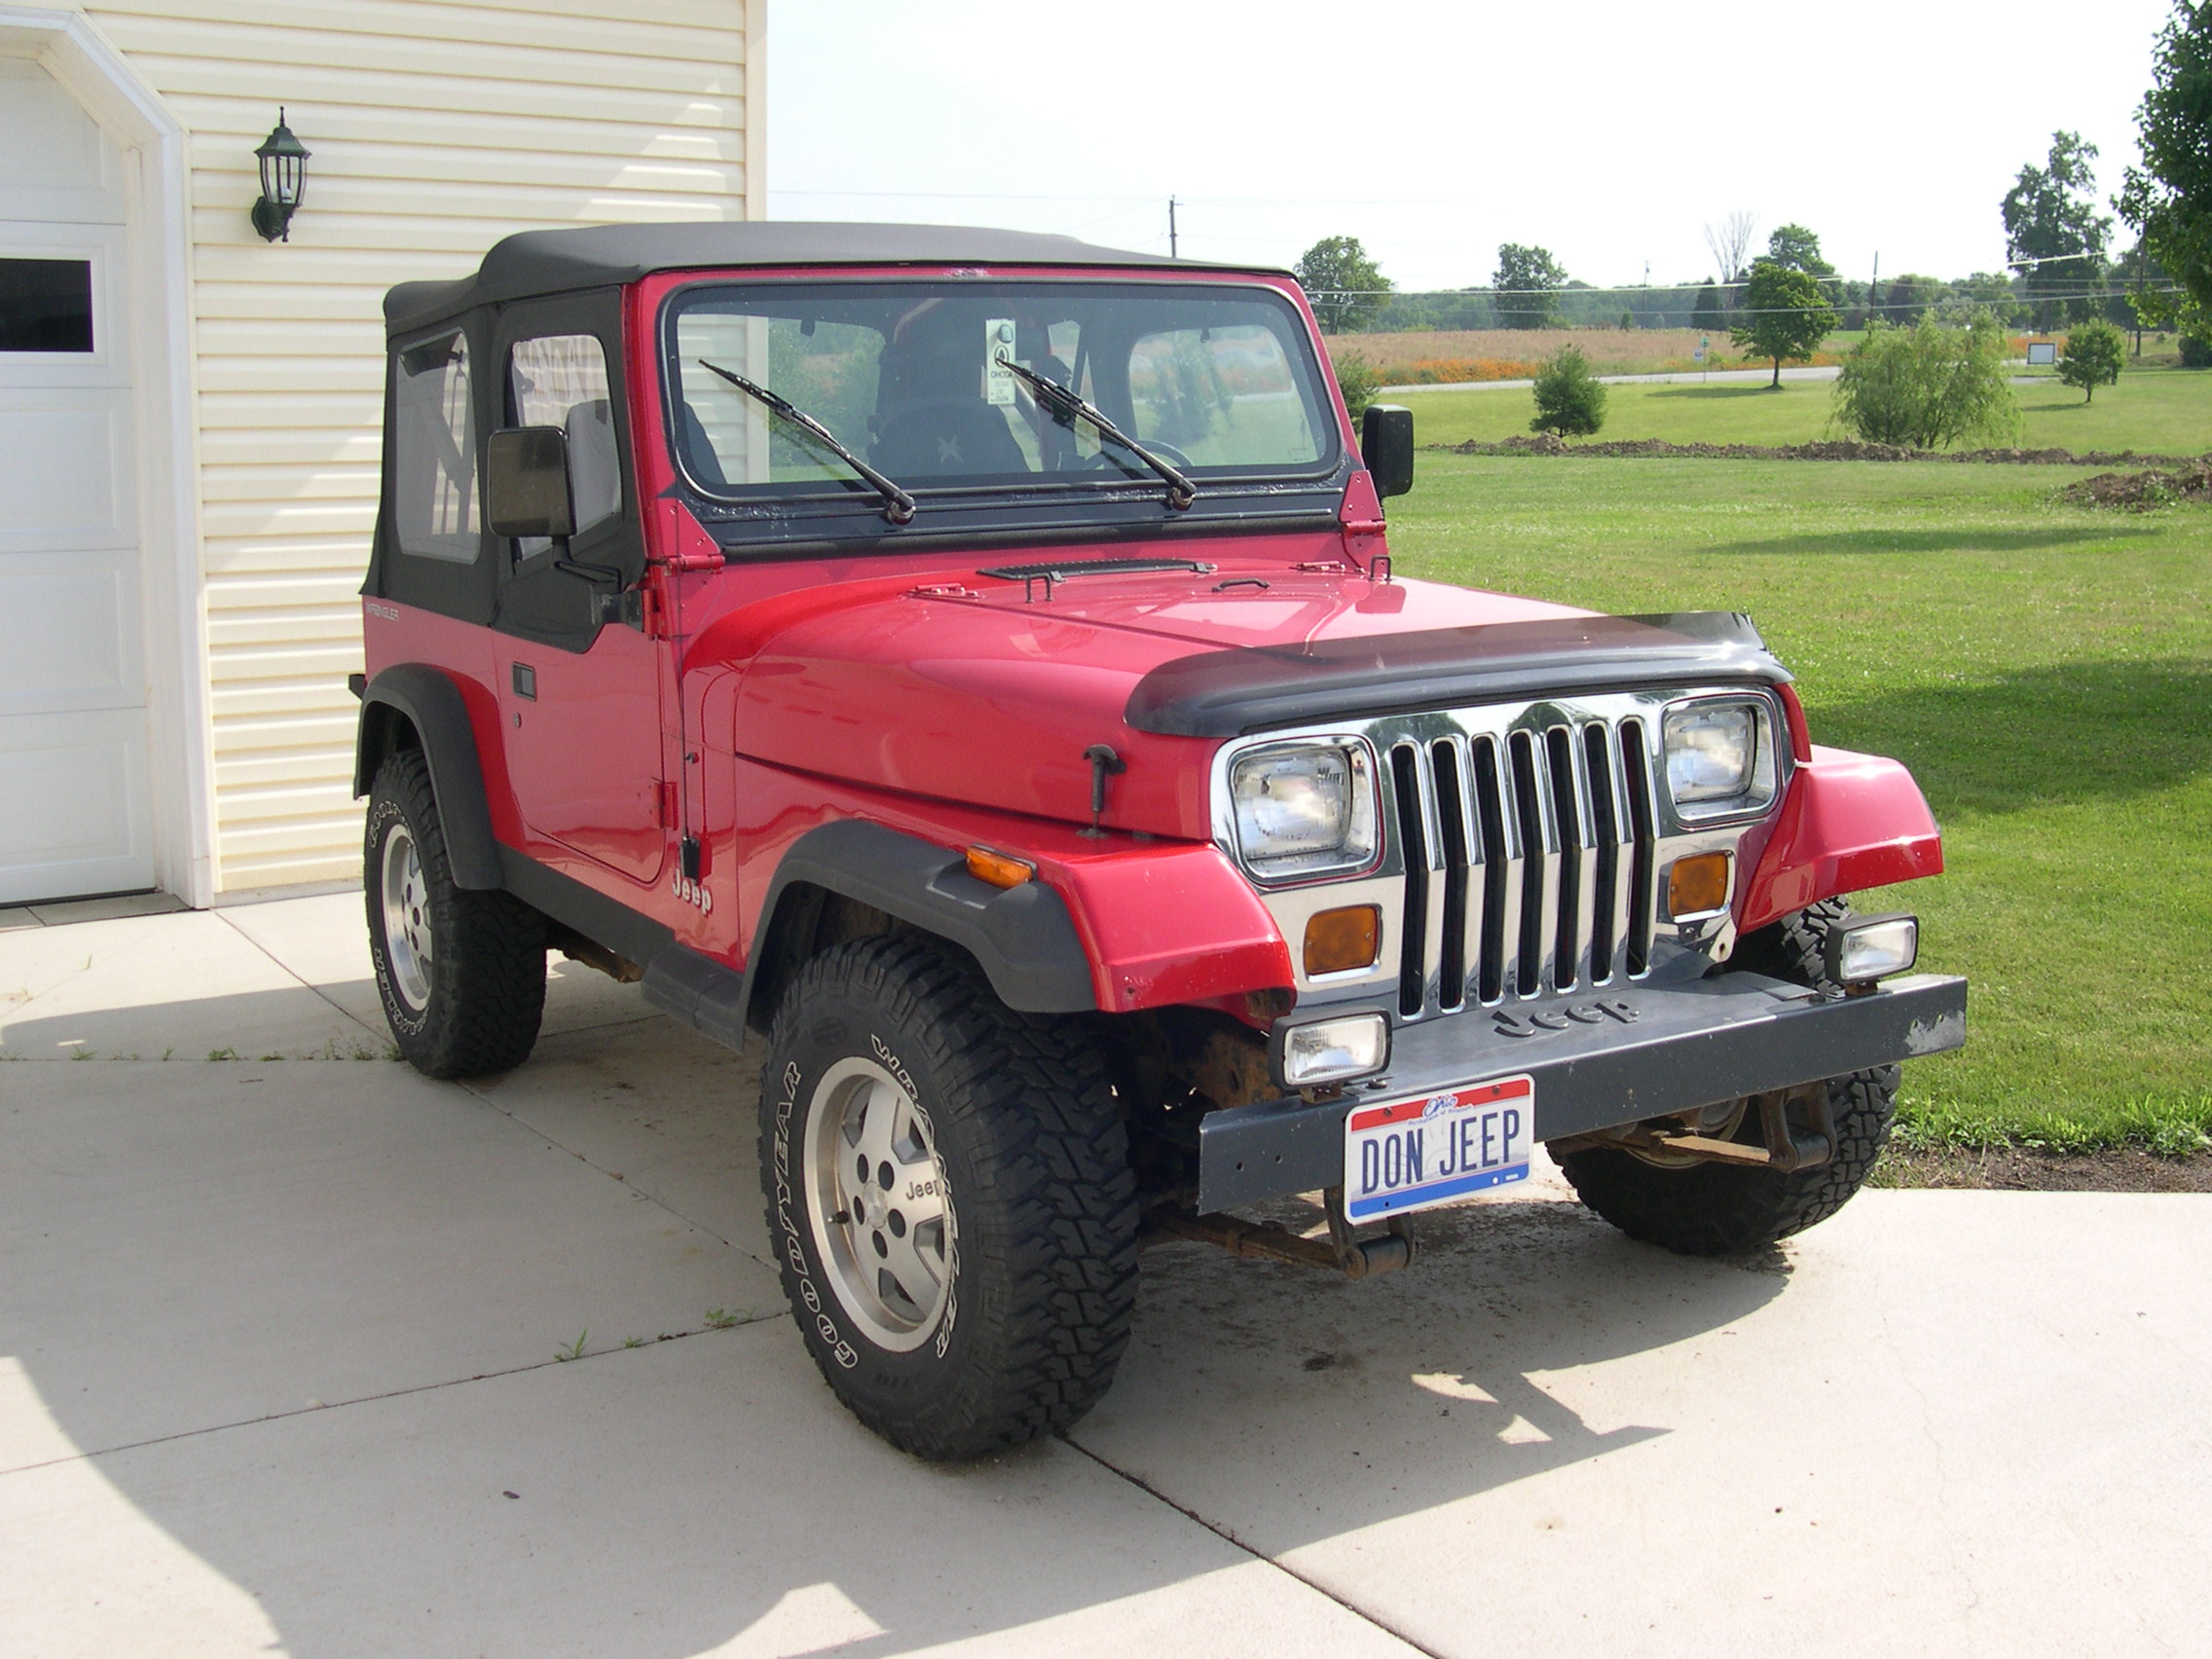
1598,1061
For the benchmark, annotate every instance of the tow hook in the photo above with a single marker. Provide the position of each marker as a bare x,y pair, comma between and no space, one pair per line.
1354,1257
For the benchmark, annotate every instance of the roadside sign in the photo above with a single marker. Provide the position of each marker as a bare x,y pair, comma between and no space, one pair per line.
2042,353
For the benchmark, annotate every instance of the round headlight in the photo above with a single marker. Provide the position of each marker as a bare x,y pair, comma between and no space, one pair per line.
1302,809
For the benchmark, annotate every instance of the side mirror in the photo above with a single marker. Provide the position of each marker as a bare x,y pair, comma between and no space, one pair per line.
1386,446
526,483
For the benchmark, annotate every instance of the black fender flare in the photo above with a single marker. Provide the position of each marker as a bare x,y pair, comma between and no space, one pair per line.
428,700
1023,936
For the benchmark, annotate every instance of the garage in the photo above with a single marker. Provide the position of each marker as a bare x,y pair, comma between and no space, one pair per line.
75,795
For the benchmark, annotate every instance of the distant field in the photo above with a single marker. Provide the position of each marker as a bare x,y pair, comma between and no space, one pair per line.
1512,353
2046,671
2158,410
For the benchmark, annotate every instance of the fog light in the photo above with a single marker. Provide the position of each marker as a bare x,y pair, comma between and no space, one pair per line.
1341,941
1329,1051
1871,947
1697,886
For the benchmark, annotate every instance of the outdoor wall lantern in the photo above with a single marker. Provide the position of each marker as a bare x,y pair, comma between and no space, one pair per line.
283,177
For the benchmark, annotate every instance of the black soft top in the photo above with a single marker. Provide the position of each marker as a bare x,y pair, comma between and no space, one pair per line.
596,256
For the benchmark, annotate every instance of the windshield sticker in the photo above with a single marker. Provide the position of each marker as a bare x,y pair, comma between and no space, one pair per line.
998,348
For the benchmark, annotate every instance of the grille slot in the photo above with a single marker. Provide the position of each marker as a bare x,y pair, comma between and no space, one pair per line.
1528,859
1412,828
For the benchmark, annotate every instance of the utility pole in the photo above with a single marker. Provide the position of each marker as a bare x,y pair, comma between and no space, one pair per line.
1873,288
1171,228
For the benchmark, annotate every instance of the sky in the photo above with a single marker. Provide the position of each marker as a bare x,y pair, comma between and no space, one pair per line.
1433,132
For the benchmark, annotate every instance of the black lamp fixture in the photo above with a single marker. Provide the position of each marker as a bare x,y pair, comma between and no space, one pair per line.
283,178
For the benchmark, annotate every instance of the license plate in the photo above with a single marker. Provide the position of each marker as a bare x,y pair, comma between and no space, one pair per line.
1410,1154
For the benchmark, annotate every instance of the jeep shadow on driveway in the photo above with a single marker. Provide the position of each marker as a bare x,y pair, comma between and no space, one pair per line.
972,660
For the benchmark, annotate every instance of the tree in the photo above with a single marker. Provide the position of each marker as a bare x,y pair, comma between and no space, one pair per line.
1341,284
2094,354
1907,297
2169,198
1929,387
1526,282
1571,400
2054,237
1795,248
1356,379
1785,315
1707,314
1729,241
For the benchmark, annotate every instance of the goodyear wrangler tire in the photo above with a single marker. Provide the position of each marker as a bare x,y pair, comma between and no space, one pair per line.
1720,1209
949,1196
462,974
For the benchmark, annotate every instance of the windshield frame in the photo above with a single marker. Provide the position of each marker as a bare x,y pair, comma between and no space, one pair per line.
802,500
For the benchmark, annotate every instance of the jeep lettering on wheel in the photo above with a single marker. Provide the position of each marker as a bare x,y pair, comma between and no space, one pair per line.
1016,721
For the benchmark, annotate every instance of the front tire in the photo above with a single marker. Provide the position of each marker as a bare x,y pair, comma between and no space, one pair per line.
462,974
1725,1209
950,1198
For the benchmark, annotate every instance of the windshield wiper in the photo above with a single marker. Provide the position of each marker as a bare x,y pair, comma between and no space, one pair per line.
1181,492
898,505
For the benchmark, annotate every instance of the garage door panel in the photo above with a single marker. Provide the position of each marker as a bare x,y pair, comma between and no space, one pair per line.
58,165
64,481
69,633
73,805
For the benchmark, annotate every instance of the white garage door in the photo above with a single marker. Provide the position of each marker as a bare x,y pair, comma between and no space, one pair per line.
75,815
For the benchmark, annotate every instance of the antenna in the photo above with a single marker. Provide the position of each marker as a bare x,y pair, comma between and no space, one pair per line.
1171,228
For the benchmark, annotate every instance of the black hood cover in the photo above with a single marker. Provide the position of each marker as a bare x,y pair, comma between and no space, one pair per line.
1227,693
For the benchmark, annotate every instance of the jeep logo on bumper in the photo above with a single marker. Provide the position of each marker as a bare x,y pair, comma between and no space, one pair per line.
1564,1019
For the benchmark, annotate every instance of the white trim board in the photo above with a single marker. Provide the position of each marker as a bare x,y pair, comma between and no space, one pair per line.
158,252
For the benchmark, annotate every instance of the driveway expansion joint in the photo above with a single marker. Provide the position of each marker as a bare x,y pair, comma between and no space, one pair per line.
1234,1542
93,1454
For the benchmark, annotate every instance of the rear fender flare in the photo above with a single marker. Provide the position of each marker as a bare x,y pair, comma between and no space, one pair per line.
414,705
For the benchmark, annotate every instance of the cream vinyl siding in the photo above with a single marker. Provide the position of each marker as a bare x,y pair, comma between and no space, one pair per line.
435,129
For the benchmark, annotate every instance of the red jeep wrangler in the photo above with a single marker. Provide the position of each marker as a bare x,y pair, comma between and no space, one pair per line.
973,661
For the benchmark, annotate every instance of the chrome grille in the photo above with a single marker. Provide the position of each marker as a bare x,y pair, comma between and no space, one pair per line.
1528,859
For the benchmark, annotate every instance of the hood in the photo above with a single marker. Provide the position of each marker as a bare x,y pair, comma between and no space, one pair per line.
986,686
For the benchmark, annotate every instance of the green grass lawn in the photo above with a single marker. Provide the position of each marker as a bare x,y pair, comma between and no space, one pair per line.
2156,410
2047,672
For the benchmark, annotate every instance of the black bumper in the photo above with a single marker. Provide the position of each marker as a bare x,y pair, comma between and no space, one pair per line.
1611,1058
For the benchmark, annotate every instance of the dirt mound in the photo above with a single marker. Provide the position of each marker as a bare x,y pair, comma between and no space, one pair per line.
1836,449
2136,492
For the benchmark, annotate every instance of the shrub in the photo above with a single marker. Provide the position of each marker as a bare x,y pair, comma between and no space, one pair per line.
2195,353
1929,387
2095,353
1571,400
1356,380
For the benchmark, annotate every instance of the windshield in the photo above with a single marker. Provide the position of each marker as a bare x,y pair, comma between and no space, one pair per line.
1220,380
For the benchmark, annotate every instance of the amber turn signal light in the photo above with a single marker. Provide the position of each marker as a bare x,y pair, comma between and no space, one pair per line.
997,869
1698,886
1337,941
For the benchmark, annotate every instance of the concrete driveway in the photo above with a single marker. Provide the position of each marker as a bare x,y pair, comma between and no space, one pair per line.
281,1341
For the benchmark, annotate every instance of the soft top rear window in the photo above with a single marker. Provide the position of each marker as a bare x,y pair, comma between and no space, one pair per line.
1218,379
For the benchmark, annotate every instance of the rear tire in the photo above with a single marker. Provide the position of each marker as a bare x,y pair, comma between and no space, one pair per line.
1723,1209
462,974
950,1198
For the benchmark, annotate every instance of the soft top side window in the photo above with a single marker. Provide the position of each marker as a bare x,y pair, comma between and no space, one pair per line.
433,487
560,380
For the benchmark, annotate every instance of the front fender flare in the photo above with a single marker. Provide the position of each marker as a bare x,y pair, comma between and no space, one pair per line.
1851,821
1022,937
428,700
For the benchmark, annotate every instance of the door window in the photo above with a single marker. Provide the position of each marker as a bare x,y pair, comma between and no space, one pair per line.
560,380
433,492
46,305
